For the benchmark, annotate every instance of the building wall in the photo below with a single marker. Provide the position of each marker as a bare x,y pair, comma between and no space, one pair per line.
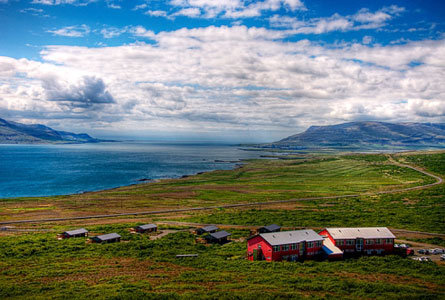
256,241
270,254
382,248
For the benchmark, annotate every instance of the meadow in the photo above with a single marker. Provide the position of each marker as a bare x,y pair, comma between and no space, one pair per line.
255,181
35,265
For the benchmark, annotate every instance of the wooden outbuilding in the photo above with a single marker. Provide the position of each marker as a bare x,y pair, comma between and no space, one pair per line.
219,237
361,240
207,229
81,232
269,228
106,238
285,245
146,228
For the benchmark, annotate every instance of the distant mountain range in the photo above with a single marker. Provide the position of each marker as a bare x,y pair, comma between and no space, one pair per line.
17,133
368,135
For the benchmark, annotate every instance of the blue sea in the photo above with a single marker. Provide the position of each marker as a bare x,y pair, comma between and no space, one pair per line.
48,170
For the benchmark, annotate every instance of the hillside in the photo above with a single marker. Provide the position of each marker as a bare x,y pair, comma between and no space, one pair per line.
17,133
34,264
366,135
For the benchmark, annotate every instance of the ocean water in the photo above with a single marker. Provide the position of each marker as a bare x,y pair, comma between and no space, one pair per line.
48,170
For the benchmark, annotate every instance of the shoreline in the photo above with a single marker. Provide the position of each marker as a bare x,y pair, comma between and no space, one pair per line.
141,181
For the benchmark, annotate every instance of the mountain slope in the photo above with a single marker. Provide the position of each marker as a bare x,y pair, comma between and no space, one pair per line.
366,135
17,133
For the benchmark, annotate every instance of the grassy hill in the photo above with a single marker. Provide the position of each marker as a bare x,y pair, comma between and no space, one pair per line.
35,265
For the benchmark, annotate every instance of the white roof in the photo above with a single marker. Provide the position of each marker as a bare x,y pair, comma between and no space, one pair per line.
361,232
108,236
147,226
329,248
76,231
291,237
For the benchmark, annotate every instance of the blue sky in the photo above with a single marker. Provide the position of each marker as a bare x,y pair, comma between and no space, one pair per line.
236,70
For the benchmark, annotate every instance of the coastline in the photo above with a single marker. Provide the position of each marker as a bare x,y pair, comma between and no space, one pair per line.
141,181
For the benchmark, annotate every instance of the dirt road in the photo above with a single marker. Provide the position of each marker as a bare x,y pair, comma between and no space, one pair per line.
439,180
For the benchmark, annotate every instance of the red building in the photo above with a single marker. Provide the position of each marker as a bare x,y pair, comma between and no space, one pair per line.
361,240
284,245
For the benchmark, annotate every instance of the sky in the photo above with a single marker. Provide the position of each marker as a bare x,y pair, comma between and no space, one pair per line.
220,70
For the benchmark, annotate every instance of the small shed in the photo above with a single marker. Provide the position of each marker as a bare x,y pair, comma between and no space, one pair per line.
207,229
106,238
81,232
146,228
269,228
220,237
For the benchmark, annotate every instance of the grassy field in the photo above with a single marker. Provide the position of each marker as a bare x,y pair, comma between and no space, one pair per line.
38,266
416,210
258,180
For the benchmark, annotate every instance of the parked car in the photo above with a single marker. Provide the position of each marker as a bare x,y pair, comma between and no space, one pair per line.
423,251
409,251
442,257
422,258
438,251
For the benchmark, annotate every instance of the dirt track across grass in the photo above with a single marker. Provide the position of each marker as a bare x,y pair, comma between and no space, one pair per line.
439,180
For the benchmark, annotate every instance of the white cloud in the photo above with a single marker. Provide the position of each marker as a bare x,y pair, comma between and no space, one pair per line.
114,6
140,6
363,19
188,12
72,31
227,77
231,9
62,2
156,13
111,32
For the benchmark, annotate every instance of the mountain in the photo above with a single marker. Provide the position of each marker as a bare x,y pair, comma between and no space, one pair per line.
366,135
17,133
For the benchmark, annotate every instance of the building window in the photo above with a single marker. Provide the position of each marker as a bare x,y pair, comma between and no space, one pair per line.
310,244
293,247
389,241
369,242
378,241
318,244
285,248
349,242
276,248
339,242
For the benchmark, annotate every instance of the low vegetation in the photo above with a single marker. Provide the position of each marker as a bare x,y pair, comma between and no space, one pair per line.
38,266
258,180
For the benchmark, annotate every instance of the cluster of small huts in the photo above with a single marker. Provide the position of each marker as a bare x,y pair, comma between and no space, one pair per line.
213,234
271,244
106,238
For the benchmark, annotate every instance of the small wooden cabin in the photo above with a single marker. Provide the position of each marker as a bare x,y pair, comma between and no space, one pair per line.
219,237
146,228
81,232
207,229
269,228
106,238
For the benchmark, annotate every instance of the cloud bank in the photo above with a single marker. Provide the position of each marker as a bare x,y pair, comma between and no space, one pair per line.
229,78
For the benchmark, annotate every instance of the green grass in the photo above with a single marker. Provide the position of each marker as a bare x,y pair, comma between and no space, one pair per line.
37,266
41,267
258,180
